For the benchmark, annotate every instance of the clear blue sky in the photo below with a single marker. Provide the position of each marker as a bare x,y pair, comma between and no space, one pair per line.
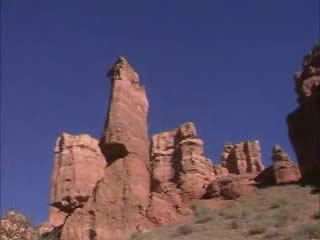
225,65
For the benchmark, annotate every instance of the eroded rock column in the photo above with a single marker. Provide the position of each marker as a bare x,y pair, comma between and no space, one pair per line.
78,166
122,197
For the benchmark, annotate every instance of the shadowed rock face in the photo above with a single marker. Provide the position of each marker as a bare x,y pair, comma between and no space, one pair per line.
78,166
304,122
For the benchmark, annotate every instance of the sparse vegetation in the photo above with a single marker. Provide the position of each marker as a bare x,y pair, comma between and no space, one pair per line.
185,229
279,213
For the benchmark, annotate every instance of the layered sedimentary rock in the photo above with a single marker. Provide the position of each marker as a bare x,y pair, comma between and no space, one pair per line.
240,164
284,170
180,172
78,165
304,122
244,157
120,199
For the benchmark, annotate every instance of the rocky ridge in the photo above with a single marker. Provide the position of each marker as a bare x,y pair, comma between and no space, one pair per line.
123,183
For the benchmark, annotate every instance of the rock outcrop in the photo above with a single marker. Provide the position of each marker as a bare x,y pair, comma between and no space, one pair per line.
242,158
180,173
120,199
304,122
78,166
122,184
284,170
240,164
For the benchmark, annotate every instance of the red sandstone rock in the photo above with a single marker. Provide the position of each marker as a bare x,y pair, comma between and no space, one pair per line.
177,157
234,186
120,200
180,172
231,186
303,123
78,165
283,169
242,158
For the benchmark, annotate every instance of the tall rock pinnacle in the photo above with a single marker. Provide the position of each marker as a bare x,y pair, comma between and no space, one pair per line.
304,122
128,107
120,200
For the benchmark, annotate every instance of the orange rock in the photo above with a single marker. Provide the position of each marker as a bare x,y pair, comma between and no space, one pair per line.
78,165
284,170
242,158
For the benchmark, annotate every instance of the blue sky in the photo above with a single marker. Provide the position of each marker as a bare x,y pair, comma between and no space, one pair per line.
227,66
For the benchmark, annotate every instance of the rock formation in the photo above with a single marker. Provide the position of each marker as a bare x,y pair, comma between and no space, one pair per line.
122,184
78,165
180,172
303,123
240,164
120,200
244,157
282,170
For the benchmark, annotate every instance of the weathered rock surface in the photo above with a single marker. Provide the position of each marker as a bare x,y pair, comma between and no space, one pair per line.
304,122
177,157
78,165
180,172
231,186
120,200
235,176
122,184
284,170
244,157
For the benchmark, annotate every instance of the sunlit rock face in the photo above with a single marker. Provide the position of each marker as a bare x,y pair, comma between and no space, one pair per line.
78,165
284,170
243,158
180,173
304,122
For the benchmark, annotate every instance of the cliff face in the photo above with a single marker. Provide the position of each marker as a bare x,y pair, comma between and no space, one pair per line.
303,123
78,165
